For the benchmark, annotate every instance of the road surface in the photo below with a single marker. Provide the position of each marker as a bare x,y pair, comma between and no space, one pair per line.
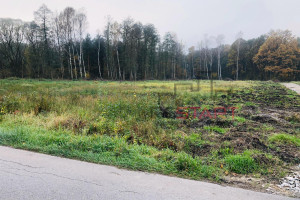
27,175
292,86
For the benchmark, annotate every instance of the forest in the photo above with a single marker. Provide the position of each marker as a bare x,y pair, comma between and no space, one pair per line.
56,45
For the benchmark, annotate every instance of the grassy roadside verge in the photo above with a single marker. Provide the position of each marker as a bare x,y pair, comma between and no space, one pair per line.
106,150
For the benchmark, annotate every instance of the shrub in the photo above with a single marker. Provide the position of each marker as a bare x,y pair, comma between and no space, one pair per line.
102,126
9,104
43,105
2,112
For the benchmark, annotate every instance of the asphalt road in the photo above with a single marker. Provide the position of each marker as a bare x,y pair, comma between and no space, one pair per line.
292,86
28,176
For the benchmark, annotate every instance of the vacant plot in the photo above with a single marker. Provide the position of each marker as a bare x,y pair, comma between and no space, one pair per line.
135,125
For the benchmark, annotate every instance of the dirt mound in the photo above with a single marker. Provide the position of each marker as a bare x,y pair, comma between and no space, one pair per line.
200,150
267,118
287,153
241,141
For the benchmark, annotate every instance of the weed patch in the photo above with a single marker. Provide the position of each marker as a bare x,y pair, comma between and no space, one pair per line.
241,164
285,139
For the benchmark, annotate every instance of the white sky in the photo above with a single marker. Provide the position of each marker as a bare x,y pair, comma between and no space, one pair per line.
189,19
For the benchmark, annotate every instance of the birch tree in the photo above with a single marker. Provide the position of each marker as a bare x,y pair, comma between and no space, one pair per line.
116,33
107,36
58,33
68,16
82,25
206,43
239,37
219,41
98,54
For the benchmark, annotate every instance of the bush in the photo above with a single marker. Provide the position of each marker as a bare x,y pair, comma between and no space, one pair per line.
43,105
2,110
102,126
9,104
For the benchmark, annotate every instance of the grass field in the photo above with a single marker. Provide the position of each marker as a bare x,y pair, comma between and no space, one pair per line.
134,125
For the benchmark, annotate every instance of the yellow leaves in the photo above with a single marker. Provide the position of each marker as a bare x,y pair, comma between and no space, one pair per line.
279,54
119,127
2,110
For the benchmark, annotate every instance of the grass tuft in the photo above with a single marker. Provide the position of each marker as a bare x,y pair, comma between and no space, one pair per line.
284,139
241,164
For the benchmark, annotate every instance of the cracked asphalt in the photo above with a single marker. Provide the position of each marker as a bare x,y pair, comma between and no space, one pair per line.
27,175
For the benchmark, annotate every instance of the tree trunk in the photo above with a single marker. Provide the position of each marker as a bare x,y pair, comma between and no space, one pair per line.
120,76
99,67
74,60
237,61
80,61
70,62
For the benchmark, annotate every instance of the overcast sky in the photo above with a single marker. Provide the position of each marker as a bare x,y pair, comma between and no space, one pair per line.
189,19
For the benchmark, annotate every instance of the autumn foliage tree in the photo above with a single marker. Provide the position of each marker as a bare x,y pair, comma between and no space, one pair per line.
279,56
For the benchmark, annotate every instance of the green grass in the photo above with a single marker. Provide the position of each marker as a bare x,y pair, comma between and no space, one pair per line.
285,139
107,150
215,129
239,119
249,103
242,164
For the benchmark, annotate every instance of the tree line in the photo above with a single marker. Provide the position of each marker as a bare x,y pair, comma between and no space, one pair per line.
57,46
